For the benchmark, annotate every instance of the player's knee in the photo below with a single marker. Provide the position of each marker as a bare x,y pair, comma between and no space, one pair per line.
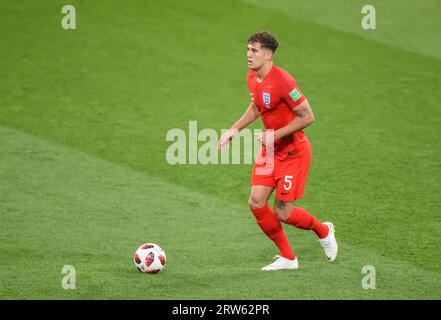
282,210
281,215
256,202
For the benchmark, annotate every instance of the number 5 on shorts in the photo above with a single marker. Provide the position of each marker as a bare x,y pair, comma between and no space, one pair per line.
288,183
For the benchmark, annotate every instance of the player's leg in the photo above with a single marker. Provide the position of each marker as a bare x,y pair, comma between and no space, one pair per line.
267,220
301,218
262,185
259,196
291,181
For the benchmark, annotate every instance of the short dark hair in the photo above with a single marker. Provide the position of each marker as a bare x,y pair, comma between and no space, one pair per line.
266,39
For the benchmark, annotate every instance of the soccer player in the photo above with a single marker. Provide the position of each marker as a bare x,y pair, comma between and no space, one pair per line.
285,156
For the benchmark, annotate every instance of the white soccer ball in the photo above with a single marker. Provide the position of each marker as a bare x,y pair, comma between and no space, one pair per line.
149,258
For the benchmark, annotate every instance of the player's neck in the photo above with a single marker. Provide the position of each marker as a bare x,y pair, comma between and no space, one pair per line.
263,71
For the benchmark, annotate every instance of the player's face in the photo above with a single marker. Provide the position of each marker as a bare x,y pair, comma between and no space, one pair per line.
257,56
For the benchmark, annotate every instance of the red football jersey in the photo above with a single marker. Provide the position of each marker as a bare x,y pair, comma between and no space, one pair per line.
275,97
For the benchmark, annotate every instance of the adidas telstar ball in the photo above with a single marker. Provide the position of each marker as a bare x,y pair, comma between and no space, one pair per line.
149,258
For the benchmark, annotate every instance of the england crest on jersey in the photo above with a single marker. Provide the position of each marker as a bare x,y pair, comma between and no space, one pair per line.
266,99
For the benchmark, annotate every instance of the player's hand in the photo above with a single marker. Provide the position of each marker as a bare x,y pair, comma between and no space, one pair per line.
261,137
226,137
265,138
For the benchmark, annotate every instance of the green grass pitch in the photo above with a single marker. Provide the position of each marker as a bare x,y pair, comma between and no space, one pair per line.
83,176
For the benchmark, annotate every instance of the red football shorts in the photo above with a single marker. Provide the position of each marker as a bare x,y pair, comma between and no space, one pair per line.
288,176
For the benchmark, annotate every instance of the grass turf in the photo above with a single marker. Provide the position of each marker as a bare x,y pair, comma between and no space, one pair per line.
84,115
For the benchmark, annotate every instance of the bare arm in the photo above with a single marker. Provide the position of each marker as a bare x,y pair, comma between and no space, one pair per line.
251,114
304,118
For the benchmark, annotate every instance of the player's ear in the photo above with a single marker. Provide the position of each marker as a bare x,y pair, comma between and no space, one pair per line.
269,54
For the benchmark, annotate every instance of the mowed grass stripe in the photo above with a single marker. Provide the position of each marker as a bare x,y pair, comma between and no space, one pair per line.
393,26
61,206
